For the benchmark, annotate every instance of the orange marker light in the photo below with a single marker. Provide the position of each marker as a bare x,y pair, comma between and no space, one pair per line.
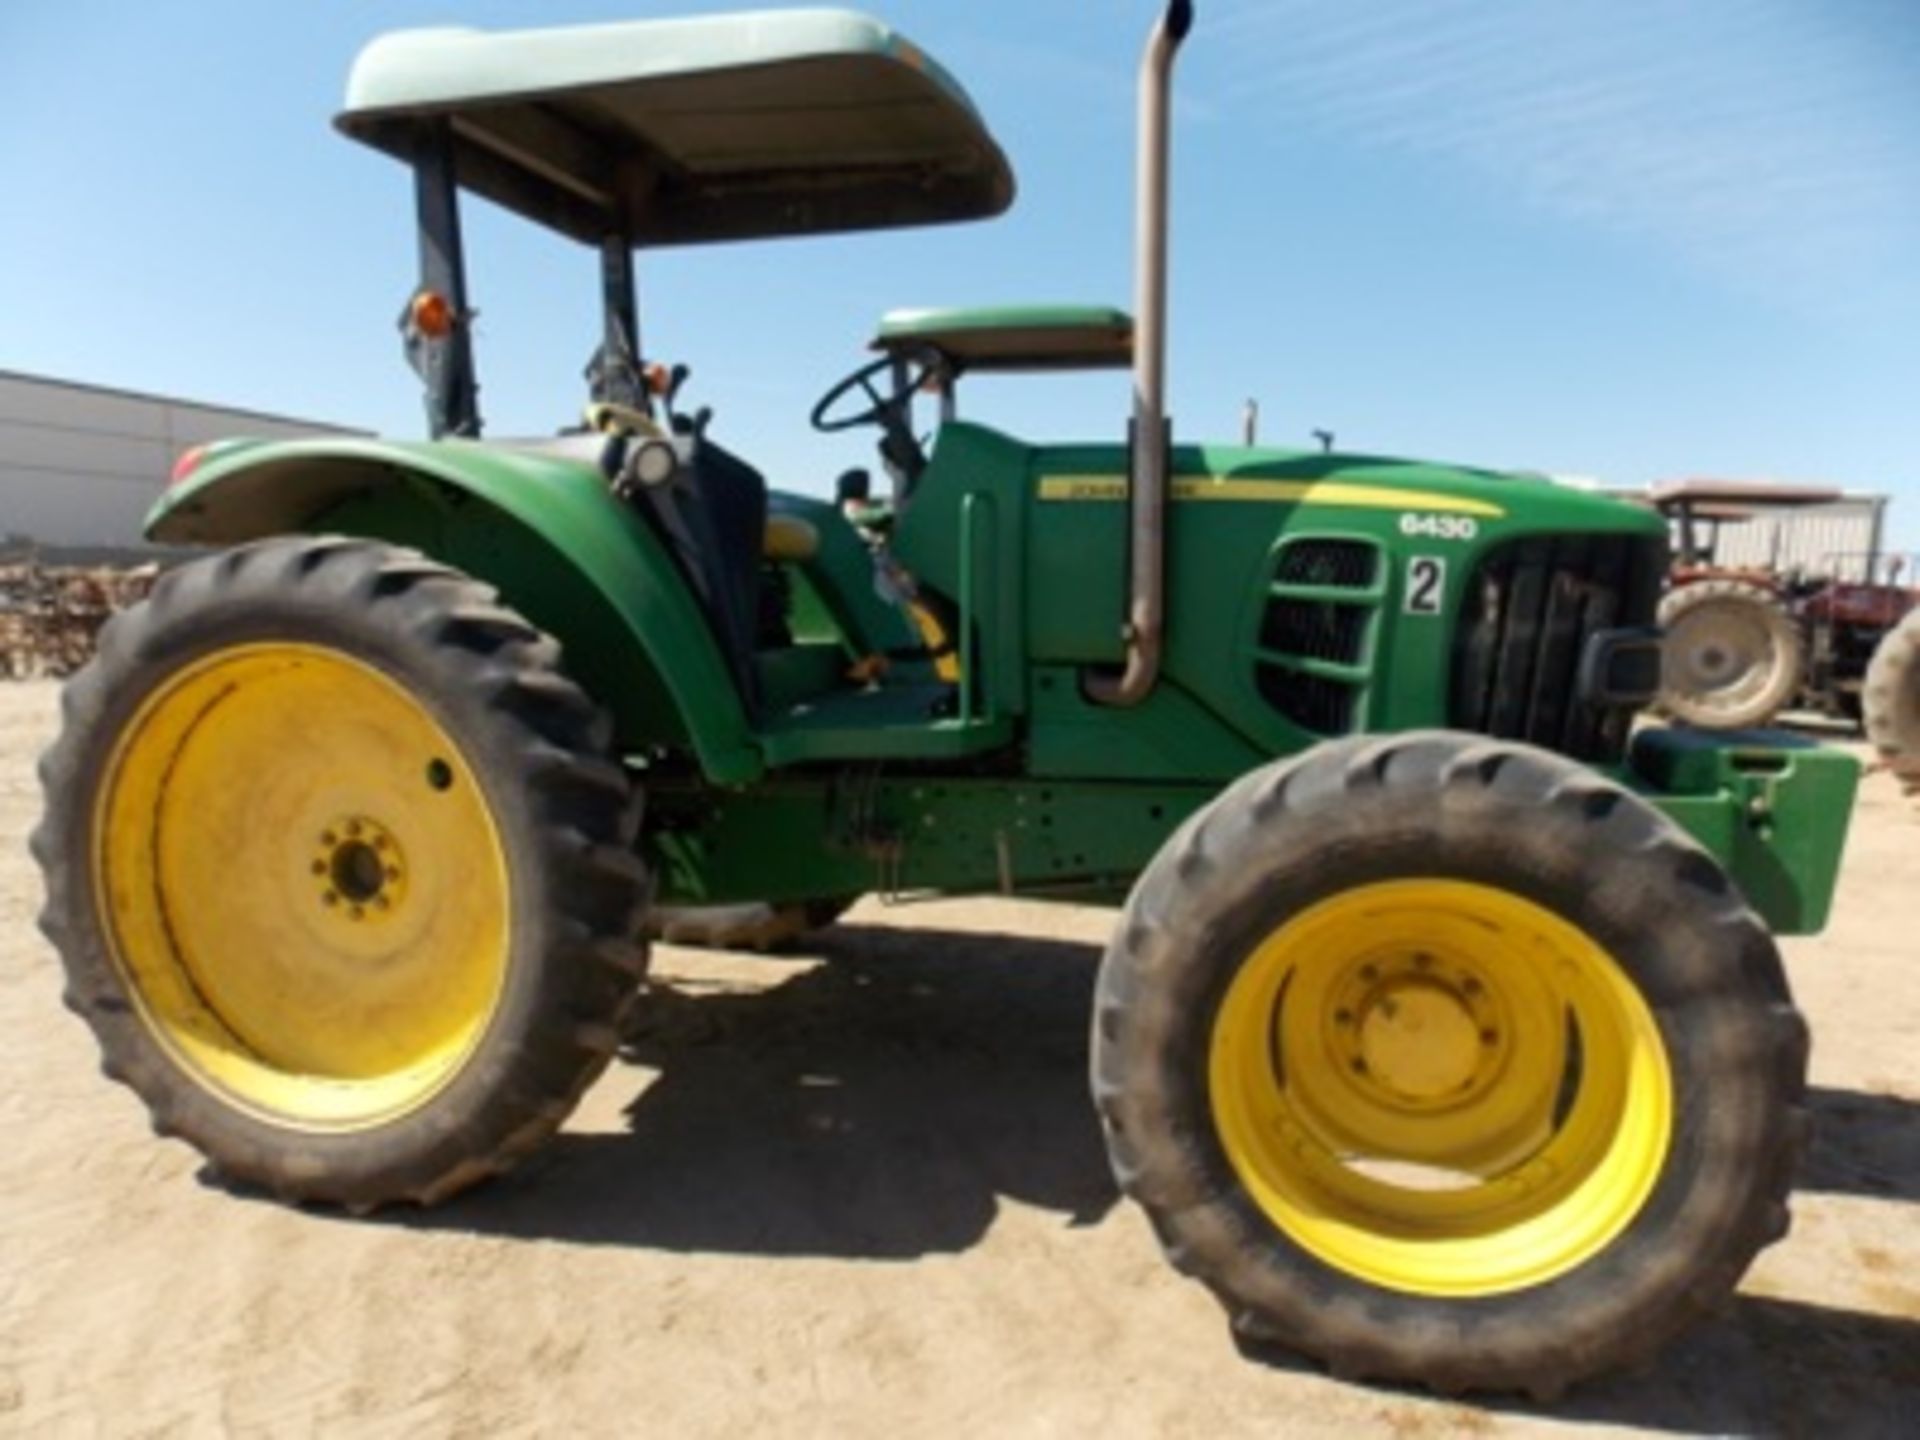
431,315
659,378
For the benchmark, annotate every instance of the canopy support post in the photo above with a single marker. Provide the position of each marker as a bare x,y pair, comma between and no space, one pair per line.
445,362
614,373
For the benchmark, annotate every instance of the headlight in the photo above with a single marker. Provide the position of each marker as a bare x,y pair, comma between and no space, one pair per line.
655,463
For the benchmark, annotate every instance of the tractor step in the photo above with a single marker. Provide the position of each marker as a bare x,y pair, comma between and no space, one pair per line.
888,722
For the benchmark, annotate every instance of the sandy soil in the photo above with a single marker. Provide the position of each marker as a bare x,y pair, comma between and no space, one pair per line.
859,1193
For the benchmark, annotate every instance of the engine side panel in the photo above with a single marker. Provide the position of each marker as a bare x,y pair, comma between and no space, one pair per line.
1309,596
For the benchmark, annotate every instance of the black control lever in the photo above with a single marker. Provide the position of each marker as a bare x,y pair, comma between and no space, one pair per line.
676,377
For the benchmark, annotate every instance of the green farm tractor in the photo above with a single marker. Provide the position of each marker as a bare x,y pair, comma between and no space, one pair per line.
1442,1034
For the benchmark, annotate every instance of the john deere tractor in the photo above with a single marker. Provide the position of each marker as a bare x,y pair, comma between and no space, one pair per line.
1442,1034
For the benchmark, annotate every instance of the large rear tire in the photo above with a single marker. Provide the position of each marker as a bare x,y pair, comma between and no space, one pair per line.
1733,656
340,871
1892,701
1448,1061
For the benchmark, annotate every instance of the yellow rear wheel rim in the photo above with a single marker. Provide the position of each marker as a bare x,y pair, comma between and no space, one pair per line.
303,885
1440,1088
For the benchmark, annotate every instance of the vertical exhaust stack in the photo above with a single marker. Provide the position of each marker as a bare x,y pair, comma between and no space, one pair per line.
1150,434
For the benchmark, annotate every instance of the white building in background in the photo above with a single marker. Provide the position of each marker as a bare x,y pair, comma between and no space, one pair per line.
80,464
1841,539
1838,535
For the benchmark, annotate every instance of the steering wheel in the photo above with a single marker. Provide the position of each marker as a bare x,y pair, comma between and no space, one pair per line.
883,410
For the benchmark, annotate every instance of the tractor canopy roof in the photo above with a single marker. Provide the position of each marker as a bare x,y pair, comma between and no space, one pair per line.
669,132
1014,337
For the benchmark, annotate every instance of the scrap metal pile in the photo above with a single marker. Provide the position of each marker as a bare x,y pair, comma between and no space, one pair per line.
50,615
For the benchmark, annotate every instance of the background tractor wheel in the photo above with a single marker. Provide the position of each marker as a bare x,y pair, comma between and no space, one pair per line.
1892,701
340,871
1733,656
756,925
1448,1061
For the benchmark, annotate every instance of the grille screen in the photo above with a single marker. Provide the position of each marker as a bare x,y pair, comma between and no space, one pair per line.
1524,625
1313,647
1341,564
1315,629
1311,701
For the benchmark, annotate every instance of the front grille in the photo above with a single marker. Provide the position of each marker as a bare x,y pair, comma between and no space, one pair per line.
1524,624
1316,631
1342,564
1313,702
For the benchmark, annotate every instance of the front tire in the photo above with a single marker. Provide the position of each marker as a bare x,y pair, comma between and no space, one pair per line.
1448,1061
340,871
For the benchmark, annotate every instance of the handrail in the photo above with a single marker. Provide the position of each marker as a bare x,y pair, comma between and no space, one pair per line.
975,504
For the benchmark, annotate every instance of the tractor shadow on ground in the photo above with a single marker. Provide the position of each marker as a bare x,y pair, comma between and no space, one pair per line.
877,1106
882,1105
1863,1145
1766,1367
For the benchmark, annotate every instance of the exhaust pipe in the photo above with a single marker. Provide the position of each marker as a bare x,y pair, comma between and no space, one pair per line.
1150,437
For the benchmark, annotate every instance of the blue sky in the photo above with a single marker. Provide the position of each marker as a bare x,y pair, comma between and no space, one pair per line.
1631,239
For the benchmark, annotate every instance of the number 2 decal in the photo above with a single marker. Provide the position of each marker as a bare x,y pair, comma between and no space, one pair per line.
1426,584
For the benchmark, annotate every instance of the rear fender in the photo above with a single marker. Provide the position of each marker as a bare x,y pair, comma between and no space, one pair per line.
540,527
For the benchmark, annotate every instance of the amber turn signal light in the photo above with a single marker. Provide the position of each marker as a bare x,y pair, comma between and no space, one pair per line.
431,315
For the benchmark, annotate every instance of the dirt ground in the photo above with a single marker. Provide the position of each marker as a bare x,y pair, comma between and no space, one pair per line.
855,1193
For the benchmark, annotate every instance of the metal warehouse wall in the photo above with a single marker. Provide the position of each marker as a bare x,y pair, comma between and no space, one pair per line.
80,464
1831,540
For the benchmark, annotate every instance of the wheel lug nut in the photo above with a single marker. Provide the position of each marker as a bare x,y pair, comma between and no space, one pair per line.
353,828
319,867
382,902
393,872
329,839
380,842
1489,1037
332,897
1359,1065
358,913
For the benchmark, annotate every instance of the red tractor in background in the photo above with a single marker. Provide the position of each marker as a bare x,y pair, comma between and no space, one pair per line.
1746,641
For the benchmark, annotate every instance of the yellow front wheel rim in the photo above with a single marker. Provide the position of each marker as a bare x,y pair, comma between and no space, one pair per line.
303,886
1441,1088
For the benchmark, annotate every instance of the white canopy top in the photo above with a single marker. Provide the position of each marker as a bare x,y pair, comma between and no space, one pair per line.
679,131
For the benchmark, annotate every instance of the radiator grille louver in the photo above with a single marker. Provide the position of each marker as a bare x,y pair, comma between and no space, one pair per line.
1315,629
1310,701
1341,564
1316,632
